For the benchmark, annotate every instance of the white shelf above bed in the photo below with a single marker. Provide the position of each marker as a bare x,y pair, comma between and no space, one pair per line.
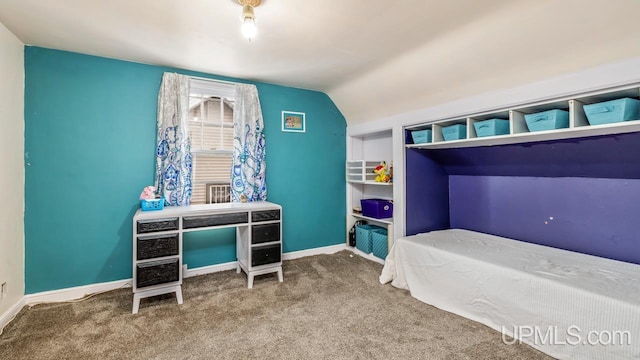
579,126
578,132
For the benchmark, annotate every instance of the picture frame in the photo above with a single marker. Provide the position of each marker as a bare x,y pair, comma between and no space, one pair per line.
293,121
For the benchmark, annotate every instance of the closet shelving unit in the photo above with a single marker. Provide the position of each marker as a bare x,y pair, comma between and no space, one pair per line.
360,172
365,152
578,124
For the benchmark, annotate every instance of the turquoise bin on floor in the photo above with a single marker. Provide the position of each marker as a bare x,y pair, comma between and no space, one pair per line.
364,240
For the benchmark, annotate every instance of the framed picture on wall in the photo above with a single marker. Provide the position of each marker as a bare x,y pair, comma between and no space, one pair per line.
293,121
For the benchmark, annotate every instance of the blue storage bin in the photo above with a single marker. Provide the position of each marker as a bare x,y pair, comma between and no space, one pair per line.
153,204
379,243
363,237
377,208
607,112
421,136
491,127
454,132
547,120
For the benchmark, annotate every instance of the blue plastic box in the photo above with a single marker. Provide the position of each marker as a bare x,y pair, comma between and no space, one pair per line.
547,120
379,243
491,127
153,204
454,132
421,136
613,111
377,208
364,237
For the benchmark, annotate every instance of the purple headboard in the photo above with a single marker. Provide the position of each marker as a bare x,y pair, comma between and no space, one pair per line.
593,216
576,194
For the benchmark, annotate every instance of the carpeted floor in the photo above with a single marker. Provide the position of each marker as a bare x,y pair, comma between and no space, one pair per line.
328,307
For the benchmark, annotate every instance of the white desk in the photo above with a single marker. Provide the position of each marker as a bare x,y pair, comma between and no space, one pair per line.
157,243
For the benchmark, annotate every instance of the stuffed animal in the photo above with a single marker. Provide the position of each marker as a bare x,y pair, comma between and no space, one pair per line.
149,193
381,172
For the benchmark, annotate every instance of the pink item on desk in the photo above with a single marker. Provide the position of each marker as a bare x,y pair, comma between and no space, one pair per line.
149,193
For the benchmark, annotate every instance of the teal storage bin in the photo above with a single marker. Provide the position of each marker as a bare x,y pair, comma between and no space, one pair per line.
379,243
454,132
421,136
153,204
363,237
613,111
491,127
547,120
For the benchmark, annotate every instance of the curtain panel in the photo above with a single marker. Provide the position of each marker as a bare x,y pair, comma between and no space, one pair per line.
248,181
173,152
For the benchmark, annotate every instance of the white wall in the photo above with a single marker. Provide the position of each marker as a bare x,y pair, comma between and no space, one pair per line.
12,168
520,43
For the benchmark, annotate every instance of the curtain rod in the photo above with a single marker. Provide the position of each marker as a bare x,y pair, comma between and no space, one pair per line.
208,79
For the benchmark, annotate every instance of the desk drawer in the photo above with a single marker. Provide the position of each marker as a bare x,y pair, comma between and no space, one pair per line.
156,225
263,255
149,247
157,272
265,215
265,233
191,222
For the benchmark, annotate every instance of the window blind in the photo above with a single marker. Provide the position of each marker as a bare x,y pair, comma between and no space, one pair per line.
211,133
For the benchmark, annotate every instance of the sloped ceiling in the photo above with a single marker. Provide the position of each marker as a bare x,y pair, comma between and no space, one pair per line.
373,58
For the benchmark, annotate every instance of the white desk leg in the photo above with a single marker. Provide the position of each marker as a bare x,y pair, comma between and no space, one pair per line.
136,303
280,278
179,294
238,268
250,281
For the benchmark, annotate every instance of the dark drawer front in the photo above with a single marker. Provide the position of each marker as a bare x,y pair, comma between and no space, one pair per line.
263,255
157,272
266,215
157,246
265,233
155,225
191,222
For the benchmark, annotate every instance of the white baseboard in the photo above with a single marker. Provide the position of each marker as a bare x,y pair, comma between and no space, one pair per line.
203,270
11,313
286,256
79,292
332,249
74,293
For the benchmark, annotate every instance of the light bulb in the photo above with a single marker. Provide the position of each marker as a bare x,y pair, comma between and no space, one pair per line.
249,28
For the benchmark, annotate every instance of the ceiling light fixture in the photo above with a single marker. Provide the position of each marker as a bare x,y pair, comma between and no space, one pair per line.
249,28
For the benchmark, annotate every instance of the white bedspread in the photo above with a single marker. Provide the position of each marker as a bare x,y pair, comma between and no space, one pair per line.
576,305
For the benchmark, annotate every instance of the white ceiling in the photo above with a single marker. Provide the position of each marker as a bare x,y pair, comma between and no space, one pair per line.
373,58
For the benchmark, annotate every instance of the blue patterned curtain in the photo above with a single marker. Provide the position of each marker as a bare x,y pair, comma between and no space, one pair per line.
248,179
173,153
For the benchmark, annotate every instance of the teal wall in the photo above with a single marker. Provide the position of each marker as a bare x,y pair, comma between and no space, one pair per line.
89,150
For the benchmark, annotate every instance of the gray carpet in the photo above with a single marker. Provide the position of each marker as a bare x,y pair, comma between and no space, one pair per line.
328,307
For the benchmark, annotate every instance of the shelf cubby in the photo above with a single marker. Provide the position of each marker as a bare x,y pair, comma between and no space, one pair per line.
519,132
409,137
436,134
471,130
361,171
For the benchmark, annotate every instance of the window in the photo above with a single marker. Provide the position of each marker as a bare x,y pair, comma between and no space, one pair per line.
211,132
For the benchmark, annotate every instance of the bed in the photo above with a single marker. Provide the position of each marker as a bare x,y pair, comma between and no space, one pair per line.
568,305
